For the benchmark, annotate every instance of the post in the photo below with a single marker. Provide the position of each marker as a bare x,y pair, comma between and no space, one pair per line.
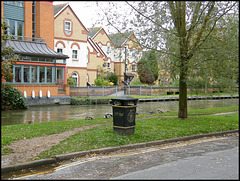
125,78
87,90
103,91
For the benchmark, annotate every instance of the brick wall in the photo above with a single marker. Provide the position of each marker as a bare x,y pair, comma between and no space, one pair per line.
44,88
28,18
45,22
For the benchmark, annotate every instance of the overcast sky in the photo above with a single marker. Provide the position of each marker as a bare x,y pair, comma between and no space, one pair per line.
88,12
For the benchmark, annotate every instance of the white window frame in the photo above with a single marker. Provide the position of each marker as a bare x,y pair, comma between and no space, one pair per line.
66,28
74,56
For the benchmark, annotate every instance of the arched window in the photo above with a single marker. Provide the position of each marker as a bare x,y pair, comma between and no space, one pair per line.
75,77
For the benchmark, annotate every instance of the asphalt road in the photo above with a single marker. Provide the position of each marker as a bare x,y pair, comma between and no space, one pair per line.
205,158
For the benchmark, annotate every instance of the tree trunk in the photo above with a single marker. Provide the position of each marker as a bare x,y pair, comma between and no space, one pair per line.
182,112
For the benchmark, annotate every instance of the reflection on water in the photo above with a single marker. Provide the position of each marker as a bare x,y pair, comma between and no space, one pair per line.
38,114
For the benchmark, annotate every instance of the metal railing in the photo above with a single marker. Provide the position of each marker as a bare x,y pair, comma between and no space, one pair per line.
25,38
101,91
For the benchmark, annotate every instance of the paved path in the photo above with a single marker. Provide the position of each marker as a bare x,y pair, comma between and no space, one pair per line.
119,93
209,157
213,165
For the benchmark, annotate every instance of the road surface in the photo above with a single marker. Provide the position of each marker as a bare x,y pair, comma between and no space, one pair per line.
205,158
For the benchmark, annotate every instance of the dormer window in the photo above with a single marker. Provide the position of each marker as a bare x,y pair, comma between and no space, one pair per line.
68,25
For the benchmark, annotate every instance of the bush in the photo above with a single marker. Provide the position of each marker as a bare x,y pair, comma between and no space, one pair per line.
100,82
111,77
71,82
12,98
137,82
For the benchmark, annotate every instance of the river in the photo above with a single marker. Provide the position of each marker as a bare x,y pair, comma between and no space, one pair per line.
37,114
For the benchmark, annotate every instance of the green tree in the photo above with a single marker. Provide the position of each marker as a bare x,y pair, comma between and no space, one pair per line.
11,97
219,56
189,24
8,58
148,69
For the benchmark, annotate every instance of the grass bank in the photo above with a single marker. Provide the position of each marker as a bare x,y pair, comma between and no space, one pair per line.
148,128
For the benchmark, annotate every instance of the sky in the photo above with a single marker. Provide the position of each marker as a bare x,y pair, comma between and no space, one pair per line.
85,10
88,12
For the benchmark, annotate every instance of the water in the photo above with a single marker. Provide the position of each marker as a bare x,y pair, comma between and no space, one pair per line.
38,114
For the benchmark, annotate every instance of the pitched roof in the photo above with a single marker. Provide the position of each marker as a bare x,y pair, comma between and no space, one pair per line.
58,7
93,31
97,48
120,38
31,48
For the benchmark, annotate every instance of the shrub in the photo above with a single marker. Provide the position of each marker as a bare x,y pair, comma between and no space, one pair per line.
12,98
111,77
100,82
71,82
137,81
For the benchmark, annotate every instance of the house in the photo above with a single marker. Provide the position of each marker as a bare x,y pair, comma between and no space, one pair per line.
71,38
41,72
126,53
100,37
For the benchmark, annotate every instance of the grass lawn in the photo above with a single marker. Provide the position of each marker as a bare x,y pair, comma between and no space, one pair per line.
152,127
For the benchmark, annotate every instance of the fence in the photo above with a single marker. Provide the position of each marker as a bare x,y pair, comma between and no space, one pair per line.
101,91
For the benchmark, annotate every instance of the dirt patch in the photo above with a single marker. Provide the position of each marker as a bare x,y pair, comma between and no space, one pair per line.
25,149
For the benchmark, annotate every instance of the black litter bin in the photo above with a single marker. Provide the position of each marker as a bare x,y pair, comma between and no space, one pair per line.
124,115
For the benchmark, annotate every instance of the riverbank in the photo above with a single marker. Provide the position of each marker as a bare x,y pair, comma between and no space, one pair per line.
107,100
148,128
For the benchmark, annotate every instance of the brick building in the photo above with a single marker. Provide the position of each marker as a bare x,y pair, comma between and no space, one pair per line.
56,45
41,72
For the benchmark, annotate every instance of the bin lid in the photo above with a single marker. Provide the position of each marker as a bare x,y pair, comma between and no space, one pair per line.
125,99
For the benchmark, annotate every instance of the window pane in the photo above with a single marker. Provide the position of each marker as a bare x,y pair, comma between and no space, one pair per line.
34,74
17,73
26,74
59,73
19,28
133,52
67,27
49,60
12,27
42,74
41,59
59,50
74,54
108,49
59,76
35,59
49,74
